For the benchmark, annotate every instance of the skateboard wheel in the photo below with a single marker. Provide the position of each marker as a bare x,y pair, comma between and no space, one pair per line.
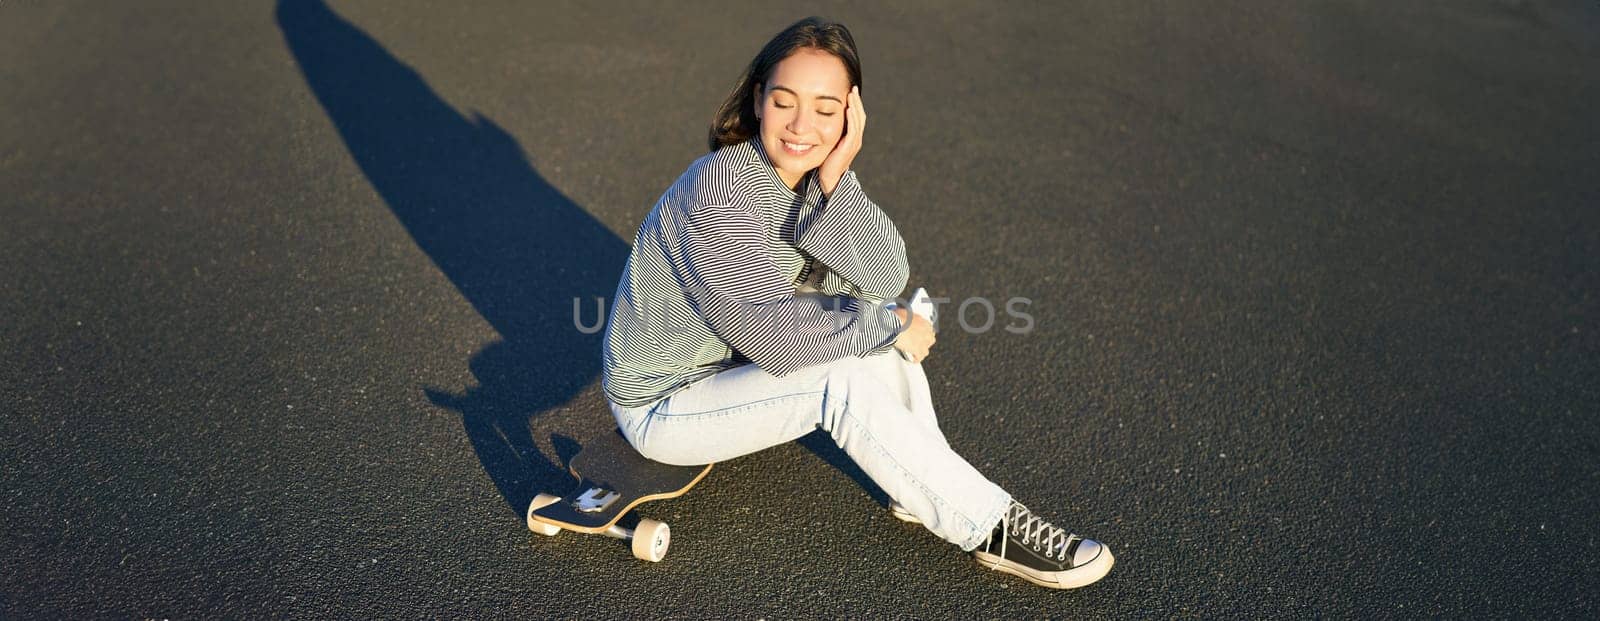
541,501
650,540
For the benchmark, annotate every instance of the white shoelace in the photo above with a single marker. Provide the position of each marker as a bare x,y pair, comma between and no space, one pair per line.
1036,533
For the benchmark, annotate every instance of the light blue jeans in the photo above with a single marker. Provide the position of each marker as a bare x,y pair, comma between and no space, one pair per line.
876,408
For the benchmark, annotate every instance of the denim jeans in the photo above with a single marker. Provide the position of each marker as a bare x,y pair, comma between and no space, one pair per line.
876,408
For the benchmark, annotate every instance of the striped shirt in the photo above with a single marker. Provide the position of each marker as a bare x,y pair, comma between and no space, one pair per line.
715,275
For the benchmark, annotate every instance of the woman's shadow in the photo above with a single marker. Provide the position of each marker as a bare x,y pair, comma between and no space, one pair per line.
517,249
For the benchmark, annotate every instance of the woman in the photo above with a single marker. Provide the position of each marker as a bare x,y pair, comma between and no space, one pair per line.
752,312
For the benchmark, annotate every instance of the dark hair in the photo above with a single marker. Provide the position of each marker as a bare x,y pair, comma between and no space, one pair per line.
736,121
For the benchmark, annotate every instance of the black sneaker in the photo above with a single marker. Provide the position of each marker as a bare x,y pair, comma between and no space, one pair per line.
1029,547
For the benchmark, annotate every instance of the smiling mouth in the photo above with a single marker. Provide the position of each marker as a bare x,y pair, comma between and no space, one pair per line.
797,149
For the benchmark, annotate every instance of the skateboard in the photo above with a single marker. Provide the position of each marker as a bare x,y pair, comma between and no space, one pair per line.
613,478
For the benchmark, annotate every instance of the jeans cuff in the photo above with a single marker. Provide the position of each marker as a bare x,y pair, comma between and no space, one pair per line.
986,525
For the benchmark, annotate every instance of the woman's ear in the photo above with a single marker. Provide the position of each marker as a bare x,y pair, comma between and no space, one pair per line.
756,101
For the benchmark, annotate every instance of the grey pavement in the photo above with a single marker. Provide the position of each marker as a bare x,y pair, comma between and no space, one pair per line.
288,299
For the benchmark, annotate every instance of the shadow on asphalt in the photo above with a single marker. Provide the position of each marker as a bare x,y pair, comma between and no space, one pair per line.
514,246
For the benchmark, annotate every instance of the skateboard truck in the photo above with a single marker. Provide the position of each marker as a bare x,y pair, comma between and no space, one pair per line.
648,541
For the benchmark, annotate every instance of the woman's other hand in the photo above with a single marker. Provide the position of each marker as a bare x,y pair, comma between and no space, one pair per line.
838,162
917,338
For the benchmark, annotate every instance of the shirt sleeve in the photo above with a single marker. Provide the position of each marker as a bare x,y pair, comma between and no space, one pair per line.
857,242
751,304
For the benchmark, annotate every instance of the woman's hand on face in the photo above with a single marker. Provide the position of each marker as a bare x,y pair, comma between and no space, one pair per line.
838,162
917,338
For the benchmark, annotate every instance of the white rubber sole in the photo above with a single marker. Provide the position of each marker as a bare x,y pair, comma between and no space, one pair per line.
1073,578
901,514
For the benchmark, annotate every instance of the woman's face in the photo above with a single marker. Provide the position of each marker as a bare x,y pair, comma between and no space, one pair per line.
802,111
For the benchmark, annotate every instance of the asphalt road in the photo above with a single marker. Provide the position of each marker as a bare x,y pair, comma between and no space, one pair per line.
287,306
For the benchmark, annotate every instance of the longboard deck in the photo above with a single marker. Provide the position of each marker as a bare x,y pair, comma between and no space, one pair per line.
608,465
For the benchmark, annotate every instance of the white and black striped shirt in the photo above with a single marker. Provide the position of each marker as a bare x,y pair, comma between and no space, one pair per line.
712,280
